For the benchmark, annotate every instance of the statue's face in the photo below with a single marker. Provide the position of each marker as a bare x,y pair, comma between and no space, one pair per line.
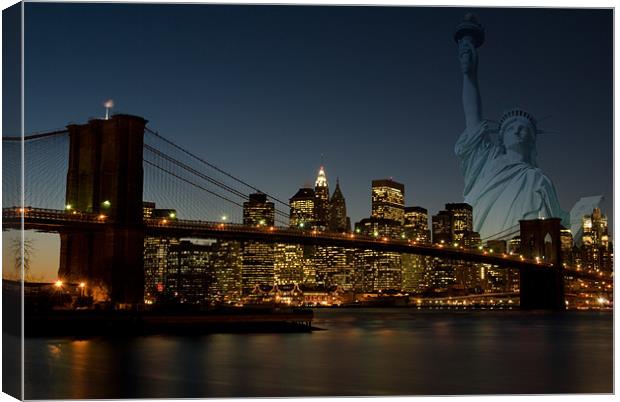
519,134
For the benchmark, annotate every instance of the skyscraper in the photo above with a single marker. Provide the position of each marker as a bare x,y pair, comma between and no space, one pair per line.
388,200
189,273
302,213
156,251
378,270
338,211
258,211
416,224
321,203
442,227
596,249
289,264
416,268
257,258
227,265
462,220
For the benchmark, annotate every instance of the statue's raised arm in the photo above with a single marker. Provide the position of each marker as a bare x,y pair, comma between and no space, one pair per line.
469,35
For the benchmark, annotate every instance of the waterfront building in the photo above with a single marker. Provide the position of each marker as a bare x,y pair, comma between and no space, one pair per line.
338,221
416,224
378,270
288,264
227,265
388,200
321,201
442,275
155,255
189,273
416,272
257,257
156,251
302,209
334,266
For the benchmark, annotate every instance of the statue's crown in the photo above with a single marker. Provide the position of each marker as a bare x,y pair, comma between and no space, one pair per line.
517,113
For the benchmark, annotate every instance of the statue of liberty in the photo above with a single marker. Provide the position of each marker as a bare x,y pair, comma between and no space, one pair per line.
502,181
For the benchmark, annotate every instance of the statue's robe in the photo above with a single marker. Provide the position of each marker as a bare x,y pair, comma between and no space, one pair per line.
502,191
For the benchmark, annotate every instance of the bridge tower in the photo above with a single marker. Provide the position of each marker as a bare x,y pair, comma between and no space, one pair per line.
105,176
542,288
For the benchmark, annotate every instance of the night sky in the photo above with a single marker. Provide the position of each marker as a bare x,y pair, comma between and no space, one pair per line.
267,92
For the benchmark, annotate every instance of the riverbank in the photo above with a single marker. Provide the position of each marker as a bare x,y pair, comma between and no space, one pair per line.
129,323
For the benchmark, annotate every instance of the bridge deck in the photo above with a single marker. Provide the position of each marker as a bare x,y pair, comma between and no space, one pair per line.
48,220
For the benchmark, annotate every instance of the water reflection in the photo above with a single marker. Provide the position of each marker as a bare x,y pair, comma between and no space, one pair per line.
362,352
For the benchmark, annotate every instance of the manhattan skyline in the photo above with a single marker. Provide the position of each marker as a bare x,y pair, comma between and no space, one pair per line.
272,92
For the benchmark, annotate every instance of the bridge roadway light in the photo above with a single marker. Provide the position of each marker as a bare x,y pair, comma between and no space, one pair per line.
172,215
107,203
224,217
68,207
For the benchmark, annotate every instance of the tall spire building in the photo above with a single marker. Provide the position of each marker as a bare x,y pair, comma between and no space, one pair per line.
338,211
321,204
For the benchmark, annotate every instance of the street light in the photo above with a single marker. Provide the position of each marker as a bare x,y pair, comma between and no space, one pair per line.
58,284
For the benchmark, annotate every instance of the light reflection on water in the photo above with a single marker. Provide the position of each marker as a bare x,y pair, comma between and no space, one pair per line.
361,352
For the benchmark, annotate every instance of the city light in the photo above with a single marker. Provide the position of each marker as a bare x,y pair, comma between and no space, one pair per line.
58,284
101,217
82,285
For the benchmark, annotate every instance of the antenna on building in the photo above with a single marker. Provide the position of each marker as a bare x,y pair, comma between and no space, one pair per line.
109,104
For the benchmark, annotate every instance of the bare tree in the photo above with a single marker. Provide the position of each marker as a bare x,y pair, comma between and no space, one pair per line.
22,257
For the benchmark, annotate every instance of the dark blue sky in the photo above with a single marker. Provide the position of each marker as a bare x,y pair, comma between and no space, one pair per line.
263,91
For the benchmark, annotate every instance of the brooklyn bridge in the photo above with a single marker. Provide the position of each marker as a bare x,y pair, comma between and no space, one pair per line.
88,182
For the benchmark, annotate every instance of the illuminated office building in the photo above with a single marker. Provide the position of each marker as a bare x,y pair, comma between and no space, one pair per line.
442,227
334,266
416,272
462,220
258,211
388,200
416,224
156,251
227,265
378,270
189,273
596,252
302,209
288,264
155,256
257,257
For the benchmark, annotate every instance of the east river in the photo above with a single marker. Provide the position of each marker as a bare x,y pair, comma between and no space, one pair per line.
399,351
